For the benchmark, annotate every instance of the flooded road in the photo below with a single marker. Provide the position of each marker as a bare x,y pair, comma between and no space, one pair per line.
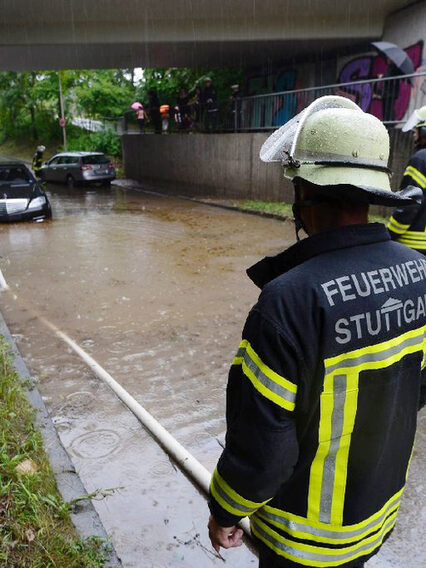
154,289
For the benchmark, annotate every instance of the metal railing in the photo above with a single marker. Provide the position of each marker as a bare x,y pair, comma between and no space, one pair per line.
391,99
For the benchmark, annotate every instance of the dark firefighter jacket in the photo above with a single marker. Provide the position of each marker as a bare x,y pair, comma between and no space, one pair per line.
37,161
408,224
322,397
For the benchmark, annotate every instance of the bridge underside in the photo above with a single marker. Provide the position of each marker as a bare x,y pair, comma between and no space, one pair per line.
164,54
59,34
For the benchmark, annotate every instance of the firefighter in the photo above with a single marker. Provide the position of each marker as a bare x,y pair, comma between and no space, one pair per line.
38,160
408,225
325,386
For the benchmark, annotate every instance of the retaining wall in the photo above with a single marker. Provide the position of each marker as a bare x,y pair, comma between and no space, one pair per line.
223,165
215,165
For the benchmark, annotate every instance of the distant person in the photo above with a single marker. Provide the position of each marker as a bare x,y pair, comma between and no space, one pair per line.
165,115
183,110
210,108
37,162
408,224
235,107
154,110
389,91
195,106
141,117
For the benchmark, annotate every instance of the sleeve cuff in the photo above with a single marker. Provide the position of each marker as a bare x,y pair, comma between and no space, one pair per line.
222,518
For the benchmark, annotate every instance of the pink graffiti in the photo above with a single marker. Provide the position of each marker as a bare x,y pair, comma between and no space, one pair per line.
369,67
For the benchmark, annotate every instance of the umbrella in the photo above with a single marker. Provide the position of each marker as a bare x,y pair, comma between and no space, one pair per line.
397,55
136,105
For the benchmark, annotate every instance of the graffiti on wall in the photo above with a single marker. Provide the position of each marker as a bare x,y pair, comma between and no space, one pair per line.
370,95
268,110
285,107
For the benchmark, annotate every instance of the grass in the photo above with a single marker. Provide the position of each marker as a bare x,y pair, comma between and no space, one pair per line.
24,150
35,527
284,209
278,208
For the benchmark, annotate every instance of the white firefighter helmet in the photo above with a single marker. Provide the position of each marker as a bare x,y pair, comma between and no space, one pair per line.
335,145
41,148
416,120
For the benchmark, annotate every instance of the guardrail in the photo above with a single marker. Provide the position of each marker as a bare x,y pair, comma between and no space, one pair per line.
391,99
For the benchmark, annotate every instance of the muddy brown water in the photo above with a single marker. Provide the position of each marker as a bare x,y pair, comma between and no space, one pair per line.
155,290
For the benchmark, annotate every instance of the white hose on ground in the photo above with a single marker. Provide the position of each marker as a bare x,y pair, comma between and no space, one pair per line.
186,461
182,457
3,283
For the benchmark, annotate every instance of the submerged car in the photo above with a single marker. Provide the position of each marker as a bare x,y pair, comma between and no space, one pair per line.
21,196
75,168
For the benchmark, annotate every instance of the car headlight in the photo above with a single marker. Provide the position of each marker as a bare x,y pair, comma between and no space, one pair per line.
37,202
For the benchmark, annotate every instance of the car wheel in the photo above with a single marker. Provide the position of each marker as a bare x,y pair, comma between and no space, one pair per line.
70,182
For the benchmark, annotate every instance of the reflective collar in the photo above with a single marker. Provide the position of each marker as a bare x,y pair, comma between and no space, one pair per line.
343,237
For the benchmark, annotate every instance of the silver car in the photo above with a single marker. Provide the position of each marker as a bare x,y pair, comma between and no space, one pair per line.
75,168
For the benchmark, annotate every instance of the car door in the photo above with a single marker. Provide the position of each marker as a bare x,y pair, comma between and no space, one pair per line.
50,172
61,169
73,167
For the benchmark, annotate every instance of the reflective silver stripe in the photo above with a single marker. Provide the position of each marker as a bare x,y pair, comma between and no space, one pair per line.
378,355
329,472
326,555
229,499
294,526
266,381
240,353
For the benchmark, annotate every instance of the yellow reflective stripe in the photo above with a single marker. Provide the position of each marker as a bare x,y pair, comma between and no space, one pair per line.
338,407
327,484
272,386
324,438
396,226
344,358
230,500
413,244
310,555
412,239
417,233
306,529
342,457
416,175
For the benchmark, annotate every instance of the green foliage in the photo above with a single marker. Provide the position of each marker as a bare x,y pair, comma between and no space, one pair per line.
35,529
106,141
168,82
104,93
30,109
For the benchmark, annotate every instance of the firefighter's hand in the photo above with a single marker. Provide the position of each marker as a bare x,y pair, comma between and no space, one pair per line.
227,537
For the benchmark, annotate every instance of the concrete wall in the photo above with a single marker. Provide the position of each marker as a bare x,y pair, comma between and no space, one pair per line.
217,165
407,26
223,165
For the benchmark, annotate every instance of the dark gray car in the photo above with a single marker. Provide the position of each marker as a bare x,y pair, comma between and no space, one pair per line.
76,168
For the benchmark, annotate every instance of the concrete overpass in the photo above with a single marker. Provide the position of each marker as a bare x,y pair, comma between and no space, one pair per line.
55,34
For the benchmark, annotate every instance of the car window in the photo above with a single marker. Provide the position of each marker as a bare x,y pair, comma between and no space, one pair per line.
14,175
54,161
73,159
63,160
95,159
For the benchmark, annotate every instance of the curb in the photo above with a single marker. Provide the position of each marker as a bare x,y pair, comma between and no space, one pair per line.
137,187
84,517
